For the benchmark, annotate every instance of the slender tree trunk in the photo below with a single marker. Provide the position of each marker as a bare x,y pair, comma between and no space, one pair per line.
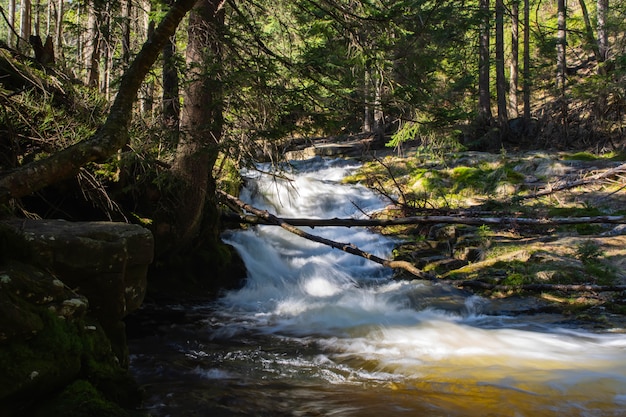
49,18
561,63
107,54
591,40
25,23
500,77
126,13
379,115
602,9
37,18
91,50
514,68
59,31
80,41
201,125
11,18
484,97
146,28
526,42
170,100
367,109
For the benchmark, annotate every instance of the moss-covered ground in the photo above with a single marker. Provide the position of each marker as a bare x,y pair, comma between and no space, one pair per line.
511,256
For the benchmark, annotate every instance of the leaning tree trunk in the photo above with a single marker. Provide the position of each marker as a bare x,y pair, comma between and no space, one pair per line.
200,127
112,136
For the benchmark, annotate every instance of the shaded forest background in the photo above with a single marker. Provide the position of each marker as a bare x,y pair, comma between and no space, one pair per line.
240,80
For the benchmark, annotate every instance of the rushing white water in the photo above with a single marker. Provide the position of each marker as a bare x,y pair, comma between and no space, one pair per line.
378,329
319,332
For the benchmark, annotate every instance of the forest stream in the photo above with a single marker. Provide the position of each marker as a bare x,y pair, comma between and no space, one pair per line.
319,332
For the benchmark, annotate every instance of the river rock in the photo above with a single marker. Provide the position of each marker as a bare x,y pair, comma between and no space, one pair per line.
105,262
64,289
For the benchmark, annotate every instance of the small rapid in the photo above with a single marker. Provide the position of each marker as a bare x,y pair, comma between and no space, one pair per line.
316,331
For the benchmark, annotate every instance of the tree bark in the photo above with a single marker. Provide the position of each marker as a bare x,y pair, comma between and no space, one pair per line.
200,124
484,97
59,30
500,77
514,67
11,21
127,7
526,42
113,135
91,49
170,119
590,38
561,62
602,10
25,22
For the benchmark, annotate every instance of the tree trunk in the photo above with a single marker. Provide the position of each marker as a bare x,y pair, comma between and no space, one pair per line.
561,63
107,53
379,115
147,92
127,6
526,86
484,98
11,19
25,26
170,100
200,125
590,38
59,31
91,49
367,109
602,9
514,67
112,136
37,18
500,77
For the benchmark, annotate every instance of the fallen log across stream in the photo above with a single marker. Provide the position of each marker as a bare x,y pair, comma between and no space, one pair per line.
346,247
264,217
477,221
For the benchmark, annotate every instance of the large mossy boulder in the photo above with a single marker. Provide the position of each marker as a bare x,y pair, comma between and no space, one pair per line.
64,291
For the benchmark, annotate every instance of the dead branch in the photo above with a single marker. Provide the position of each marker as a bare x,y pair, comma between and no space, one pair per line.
534,287
271,219
478,221
583,181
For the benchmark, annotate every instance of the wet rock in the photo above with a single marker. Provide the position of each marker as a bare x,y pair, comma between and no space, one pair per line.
64,290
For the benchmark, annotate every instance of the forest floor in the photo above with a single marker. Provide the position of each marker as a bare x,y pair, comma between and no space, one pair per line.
512,262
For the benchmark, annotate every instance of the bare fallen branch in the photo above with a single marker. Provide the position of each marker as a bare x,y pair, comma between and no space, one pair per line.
478,221
271,219
583,181
534,287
